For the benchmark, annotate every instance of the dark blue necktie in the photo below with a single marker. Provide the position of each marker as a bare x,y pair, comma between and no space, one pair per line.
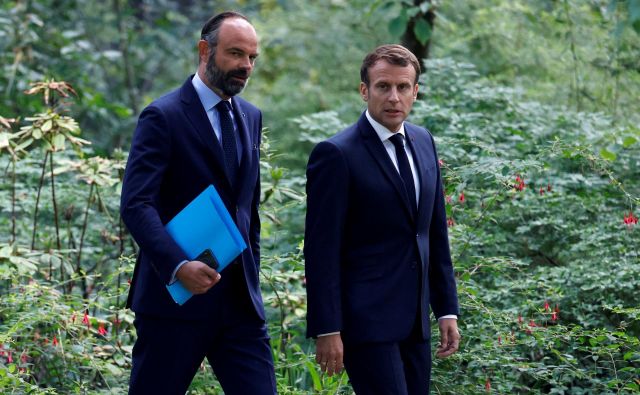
228,140
405,170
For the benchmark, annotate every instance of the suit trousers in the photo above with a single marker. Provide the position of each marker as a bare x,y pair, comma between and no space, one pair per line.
234,340
390,368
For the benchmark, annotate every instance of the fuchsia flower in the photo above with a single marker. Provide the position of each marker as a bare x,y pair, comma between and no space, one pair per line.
499,339
9,358
554,316
630,220
448,198
55,341
450,222
487,385
440,162
532,323
546,305
461,197
519,319
519,183
85,319
24,357
548,187
541,191
101,329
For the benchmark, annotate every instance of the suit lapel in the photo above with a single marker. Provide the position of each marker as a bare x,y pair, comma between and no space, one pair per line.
378,151
420,161
245,159
198,117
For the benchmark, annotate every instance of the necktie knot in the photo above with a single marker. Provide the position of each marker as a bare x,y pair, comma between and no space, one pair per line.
223,105
398,140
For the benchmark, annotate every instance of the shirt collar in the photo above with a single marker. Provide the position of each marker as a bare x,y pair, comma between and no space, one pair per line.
382,132
208,97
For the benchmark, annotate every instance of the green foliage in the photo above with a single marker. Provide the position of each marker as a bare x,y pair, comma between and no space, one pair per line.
536,128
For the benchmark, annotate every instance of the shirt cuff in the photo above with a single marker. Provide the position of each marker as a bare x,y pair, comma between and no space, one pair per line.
455,317
175,271
328,334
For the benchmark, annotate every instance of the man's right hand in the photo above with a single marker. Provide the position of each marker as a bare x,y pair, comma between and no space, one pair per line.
197,277
329,354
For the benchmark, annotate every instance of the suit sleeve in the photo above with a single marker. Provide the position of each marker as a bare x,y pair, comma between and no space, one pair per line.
442,284
148,161
254,227
327,200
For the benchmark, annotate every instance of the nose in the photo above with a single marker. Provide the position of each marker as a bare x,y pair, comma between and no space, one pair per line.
393,95
247,63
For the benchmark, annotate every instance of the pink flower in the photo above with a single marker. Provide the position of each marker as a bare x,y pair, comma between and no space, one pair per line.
55,341
440,162
448,198
487,385
546,305
554,316
519,319
461,197
85,319
630,220
9,358
450,222
101,329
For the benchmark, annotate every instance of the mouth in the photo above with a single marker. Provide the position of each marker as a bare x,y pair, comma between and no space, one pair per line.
393,112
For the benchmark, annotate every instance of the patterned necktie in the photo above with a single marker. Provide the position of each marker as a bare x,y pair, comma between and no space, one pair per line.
405,170
228,140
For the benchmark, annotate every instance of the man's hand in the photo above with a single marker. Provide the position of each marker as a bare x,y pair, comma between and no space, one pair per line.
197,277
329,353
449,337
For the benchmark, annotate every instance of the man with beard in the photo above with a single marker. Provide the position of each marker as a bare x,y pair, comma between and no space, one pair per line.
195,136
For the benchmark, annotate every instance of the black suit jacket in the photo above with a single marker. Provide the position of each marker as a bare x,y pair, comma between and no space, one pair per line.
174,156
363,247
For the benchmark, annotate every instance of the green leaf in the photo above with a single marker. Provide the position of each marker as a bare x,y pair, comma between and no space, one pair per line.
629,141
37,133
398,25
58,142
46,126
505,171
608,155
422,31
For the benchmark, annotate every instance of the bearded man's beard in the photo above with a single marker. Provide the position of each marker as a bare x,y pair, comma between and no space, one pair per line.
224,80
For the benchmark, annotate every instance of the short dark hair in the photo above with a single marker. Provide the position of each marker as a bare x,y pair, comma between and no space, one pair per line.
393,54
211,28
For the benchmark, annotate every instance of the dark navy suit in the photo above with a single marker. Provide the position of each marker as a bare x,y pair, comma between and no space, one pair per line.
373,267
174,156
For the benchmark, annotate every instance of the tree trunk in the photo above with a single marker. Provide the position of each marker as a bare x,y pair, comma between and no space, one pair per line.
409,38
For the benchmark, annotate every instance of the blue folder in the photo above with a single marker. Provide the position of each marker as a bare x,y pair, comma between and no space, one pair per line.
204,224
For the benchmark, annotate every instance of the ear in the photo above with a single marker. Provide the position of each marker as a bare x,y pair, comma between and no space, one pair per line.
415,92
364,91
203,51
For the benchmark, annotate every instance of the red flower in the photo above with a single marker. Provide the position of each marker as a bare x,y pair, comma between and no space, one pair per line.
630,220
541,191
499,339
440,162
9,358
23,357
519,183
546,305
461,197
487,385
548,187
55,341
101,329
532,323
450,222
85,319
557,309
519,319
554,316
117,321
448,198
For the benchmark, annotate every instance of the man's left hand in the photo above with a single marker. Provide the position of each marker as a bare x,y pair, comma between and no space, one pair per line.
449,337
